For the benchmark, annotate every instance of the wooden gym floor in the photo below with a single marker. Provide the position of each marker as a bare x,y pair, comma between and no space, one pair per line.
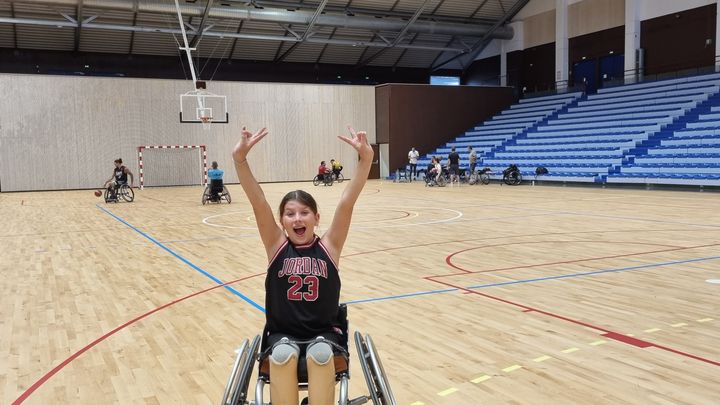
473,294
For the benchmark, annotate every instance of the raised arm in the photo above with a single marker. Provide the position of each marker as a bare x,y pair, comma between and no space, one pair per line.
334,238
270,233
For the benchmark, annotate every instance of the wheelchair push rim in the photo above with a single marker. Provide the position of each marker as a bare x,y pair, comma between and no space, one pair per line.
375,377
127,193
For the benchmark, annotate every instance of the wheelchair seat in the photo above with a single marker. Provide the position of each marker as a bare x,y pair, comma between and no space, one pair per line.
236,390
340,349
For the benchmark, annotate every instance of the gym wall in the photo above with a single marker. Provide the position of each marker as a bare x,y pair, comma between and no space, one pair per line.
63,132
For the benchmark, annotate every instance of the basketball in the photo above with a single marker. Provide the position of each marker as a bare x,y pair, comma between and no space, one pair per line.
98,193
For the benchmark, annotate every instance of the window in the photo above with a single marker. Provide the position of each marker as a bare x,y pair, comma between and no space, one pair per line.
445,80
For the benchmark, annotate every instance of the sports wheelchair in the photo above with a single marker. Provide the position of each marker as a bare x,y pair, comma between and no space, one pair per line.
117,191
326,179
257,351
337,175
216,192
440,180
480,176
512,175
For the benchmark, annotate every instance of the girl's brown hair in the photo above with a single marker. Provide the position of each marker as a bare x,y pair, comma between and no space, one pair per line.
300,196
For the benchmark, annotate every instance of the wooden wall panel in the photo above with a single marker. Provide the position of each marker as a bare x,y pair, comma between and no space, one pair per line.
539,29
595,15
63,132
425,116
678,41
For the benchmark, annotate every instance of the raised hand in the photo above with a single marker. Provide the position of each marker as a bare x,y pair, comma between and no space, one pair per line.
246,142
358,140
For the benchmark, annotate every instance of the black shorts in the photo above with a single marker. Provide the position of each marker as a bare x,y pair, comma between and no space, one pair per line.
330,336
454,169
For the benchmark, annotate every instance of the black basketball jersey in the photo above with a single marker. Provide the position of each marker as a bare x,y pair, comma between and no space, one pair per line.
120,175
302,290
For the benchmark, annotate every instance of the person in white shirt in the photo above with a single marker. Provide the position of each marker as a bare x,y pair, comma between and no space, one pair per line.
413,156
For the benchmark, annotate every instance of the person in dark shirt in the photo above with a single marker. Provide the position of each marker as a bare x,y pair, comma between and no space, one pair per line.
118,178
454,165
302,286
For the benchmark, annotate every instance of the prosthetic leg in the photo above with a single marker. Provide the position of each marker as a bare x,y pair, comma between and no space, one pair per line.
283,368
321,373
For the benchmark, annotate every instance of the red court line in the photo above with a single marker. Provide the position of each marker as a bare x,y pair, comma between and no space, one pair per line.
448,259
545,234
606,332
78,353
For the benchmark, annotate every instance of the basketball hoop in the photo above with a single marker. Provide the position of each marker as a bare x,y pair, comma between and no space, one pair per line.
206,121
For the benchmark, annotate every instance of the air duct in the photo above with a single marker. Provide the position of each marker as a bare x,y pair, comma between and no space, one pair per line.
282,16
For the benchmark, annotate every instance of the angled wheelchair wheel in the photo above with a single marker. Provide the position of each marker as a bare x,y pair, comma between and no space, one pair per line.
339,178
441,180
236,389
375,376
226,195
484,179
473,178
127,193
107,195
206,195
316,180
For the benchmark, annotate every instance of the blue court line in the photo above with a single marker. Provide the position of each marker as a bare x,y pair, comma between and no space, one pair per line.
184,260
533,280
592,273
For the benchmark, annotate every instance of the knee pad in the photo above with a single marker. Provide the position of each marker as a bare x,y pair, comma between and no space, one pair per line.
283,351
320,352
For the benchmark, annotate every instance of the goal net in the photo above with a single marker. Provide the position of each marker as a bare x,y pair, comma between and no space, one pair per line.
172,165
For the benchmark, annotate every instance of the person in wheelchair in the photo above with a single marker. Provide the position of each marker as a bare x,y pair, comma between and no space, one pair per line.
434,170
216,182
324,172
302,283
118,178
336,168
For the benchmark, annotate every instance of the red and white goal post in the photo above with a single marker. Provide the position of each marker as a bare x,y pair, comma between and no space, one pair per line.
202,149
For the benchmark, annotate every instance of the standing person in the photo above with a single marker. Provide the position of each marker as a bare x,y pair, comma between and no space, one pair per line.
454,165
473,159
216,185
413,156
118,178
302,303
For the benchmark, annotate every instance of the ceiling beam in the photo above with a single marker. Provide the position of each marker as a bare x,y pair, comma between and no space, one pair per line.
305,34
284,16
314,18
79,28
399,36
132,33
478,47
15,36
203,21
115,27
235,41
348,9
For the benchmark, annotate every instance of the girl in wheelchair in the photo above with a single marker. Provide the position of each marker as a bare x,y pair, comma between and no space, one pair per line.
302,283
435,173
